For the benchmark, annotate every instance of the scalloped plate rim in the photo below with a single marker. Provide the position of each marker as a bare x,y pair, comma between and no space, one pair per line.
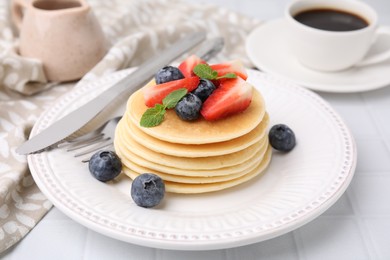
185,244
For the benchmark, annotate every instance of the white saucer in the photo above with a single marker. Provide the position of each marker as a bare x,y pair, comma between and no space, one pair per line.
268,49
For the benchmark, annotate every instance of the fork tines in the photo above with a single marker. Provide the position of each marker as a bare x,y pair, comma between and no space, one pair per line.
86,145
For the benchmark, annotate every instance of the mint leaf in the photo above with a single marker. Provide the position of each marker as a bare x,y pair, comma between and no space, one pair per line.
153,116
204,71
171,100
228,76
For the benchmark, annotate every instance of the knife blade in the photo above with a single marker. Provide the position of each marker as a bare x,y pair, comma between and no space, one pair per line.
210,48
81,116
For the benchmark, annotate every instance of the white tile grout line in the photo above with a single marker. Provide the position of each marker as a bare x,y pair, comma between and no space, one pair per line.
231,254
367,240
298,243
369,248
87,244
366,236
156,253
376,249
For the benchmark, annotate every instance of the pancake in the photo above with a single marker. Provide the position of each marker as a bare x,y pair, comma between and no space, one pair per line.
142,165
195,156
187,188
191,179
203,150
199,163
201,131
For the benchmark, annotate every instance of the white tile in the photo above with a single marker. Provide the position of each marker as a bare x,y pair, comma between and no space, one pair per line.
341,99
55,214
342,207
383,9
357,116
379,230
370,194
377,99
229,4
100,247
332,238
373,156
382,116
59,240
278,248
257,10
190,255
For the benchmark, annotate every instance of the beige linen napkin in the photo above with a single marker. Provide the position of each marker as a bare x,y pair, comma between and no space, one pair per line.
137,30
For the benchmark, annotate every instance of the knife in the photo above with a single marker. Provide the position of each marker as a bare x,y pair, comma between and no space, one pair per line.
81,116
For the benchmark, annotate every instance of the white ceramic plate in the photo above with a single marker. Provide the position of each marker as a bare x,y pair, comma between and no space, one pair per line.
296,188
269,50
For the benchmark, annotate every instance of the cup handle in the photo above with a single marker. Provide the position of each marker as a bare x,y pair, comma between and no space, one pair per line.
17,12
379,57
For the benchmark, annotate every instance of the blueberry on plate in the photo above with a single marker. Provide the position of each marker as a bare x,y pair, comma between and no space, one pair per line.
105,165
188,108
204,89
168,73
282,138
147,190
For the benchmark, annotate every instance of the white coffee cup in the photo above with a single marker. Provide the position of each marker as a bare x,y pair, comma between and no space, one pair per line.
327,50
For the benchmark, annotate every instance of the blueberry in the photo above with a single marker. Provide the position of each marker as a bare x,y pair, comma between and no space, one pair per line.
105,165
147,190
168,73
188,108
282,138
204,89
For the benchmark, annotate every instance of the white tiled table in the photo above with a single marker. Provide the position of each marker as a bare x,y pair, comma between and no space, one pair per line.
356,227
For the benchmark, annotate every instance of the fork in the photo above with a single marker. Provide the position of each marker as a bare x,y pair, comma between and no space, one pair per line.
92,141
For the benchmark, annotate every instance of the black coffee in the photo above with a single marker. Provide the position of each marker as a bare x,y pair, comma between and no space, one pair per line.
55,5
331,20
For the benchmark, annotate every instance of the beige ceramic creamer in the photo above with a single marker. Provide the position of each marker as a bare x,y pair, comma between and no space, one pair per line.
63,34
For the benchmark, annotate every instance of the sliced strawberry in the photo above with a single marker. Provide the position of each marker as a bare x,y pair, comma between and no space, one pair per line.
216,82
234,66
233,96
187,66
154,94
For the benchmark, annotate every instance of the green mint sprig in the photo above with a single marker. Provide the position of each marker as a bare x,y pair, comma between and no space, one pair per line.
204,71
155,115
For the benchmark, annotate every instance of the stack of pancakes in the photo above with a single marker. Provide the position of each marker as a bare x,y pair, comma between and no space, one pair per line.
199,156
